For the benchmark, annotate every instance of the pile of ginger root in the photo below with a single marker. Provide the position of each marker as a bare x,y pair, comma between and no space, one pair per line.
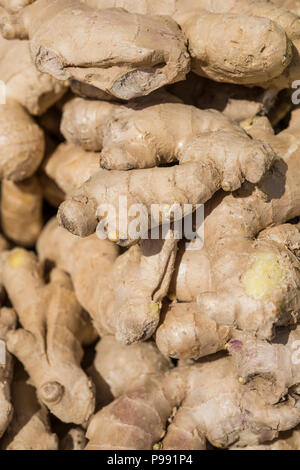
149,339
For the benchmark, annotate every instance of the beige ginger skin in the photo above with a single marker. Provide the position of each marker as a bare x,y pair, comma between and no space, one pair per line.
21,206
24,84
261,264
19,156
49,343
213,152
8,322
29,428
90,262
69,166
153,52
127,367
255,36
192,398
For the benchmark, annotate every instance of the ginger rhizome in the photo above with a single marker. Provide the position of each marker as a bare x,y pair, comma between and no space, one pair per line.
89,262
30,425
213,152
7,323
259,40
188,397
118,369
54,327
24,84
21,205
152,50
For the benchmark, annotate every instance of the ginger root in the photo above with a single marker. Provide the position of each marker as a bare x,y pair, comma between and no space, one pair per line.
255,36
7,323
152,54
24,84
127,367
22,143
90,263
69,167
188,397
21,206
213,152
49,344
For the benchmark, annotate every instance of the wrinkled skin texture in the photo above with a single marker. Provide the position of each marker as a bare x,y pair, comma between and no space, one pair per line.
20,156
152,51
141,279
49,344
255,51
69,167
247,273
29,428
270,368
213,152
187,333
193,397
32,89
90,263
122,294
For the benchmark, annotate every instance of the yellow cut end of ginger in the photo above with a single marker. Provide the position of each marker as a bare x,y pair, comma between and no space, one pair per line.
157,446
217,445
263,276
242,380
226,186
17,259
153,309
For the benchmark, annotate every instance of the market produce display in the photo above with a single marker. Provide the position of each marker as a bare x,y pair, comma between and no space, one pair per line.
149,225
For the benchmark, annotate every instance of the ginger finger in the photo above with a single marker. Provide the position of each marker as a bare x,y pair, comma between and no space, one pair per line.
7,323
49,345
21,206
157,53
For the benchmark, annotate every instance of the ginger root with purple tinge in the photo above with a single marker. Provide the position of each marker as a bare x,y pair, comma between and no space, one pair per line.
192,399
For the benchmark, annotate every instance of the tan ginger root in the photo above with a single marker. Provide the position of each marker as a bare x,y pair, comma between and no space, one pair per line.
49,345
152,51
141,279
90,263
124,368
29,428
212,152
187,333
288,440
8,322
255,48
35,435
122,294
272,369
190,397
86,122
22,143
237,280
21,206
24,84
69,167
